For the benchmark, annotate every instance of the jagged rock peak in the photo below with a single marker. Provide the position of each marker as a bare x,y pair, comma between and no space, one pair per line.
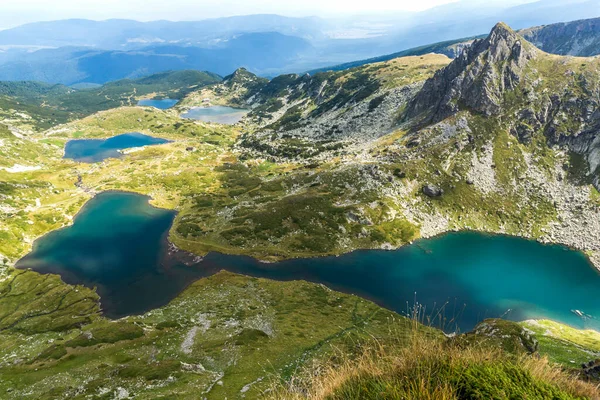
240,73
477,79
503,42
501,32
244,82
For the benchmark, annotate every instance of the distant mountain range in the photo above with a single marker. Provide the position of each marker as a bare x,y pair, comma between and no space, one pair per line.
72,65
83,51
118,34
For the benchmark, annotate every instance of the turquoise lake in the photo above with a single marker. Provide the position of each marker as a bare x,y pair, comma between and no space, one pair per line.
162,104
95,150
118,244
217,114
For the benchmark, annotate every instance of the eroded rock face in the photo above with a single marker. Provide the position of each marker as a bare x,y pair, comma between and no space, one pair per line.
530,92
477,78
565,120
577,38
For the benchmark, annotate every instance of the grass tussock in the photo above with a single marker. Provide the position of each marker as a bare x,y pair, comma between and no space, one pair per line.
432,369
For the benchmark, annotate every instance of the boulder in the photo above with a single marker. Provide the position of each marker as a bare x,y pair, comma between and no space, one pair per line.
592,369
432,190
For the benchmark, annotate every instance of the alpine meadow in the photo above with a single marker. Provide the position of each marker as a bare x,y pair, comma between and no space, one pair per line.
394,201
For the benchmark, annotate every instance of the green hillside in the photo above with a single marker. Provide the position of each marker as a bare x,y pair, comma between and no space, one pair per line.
40,105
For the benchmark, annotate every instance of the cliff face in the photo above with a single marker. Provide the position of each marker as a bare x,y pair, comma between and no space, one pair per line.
577,38
531,92
476,79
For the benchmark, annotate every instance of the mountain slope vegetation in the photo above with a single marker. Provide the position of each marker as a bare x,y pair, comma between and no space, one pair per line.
503,139
482,128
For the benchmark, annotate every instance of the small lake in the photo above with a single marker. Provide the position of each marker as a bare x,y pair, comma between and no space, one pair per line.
95,150
118,244
162,104
217,114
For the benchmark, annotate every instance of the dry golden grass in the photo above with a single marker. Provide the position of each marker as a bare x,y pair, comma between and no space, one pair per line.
406,70
433,369
541,369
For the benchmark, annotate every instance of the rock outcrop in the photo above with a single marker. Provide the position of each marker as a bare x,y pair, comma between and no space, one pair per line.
532,93
477,79
576,38
591,370
432,191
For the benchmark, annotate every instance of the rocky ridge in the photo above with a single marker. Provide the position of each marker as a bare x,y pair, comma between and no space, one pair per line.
576,38
504,76
497,124
359,104
477,79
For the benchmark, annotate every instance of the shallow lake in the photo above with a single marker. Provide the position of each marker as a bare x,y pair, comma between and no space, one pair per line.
95,150
217,114
118,244
162,104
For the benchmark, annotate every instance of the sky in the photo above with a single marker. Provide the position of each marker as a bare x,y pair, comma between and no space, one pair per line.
18,12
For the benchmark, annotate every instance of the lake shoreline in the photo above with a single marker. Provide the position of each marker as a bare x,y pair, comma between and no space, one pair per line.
98,149
594,259
594,262
161,104
178,269
215,114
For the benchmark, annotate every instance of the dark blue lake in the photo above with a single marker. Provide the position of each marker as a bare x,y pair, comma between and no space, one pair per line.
95,150
162,104
118,244
217,114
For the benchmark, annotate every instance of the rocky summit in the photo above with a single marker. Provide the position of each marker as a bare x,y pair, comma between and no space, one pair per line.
477,79
502,75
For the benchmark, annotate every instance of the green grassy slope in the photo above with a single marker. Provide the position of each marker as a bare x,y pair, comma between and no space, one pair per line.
448,48
221,334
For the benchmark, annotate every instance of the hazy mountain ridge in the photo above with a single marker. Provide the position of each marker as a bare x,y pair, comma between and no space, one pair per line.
118,34
76,65
279,44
